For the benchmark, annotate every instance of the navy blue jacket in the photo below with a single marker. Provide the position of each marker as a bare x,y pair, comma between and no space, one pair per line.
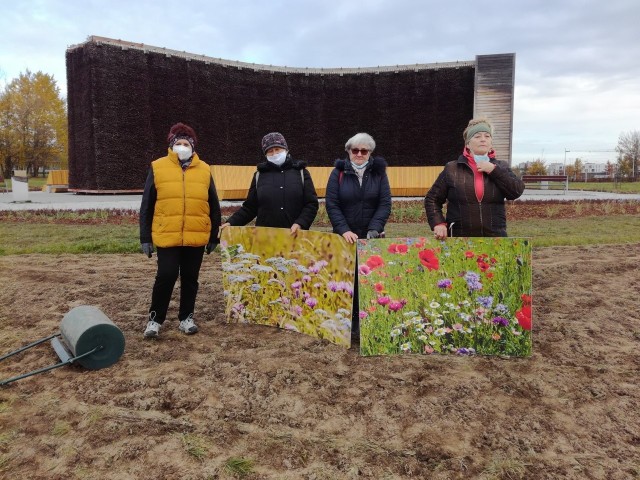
280,199
356,208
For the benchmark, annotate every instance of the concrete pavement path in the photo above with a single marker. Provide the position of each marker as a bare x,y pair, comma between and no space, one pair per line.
72,201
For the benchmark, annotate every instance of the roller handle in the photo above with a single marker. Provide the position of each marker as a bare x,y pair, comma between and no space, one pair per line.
37,342
50,367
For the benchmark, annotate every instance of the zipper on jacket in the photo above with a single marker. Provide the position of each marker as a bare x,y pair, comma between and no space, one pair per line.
184,202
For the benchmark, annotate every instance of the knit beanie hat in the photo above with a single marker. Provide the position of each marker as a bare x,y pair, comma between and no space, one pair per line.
273,139
478,127
180,131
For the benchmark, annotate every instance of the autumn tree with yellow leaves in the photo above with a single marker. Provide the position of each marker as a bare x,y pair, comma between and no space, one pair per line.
537,167
33,124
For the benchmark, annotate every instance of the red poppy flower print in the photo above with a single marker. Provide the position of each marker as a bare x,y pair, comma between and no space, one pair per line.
524,317
398,248
429,259
374,261
483,266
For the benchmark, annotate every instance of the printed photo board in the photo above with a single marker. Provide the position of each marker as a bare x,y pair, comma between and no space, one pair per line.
460,296
301,282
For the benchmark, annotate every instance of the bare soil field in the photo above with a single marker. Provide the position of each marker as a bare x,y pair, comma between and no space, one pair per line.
181,407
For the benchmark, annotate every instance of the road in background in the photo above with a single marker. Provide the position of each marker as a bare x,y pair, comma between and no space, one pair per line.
73,201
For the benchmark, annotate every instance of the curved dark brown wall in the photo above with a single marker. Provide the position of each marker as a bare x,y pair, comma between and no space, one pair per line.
122,102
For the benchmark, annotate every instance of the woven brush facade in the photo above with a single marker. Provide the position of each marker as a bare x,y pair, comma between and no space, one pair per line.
123,99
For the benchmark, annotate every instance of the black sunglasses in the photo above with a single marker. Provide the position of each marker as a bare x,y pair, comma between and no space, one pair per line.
363,151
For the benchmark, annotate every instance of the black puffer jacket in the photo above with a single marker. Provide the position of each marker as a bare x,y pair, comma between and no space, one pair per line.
280,199
356,208
466,217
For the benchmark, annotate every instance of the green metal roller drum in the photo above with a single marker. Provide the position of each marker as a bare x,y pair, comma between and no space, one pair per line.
85,328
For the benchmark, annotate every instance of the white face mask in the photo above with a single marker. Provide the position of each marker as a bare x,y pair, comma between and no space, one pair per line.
481,158
184,152
278,158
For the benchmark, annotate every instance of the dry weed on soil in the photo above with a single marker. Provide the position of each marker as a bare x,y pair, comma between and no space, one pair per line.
402,212
294,407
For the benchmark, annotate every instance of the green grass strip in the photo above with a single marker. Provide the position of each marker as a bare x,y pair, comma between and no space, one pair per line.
26,238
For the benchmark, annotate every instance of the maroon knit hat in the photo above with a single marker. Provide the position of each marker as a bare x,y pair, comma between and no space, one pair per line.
180,131
273,139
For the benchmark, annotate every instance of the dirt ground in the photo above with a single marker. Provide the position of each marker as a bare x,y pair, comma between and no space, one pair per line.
300,408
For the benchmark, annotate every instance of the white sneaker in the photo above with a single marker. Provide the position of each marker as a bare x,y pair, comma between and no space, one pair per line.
188,326
152,330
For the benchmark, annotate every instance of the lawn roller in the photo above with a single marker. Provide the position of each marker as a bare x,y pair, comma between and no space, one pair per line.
86,336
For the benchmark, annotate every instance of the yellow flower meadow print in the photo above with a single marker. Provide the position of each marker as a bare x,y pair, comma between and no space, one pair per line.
301,282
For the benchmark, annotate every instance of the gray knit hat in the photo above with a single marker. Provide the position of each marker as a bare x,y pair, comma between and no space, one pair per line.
273,139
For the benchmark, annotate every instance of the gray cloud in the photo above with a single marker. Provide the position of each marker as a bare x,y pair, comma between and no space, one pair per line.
577,77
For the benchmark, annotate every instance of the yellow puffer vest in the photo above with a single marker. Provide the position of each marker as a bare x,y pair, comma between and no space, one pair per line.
181,215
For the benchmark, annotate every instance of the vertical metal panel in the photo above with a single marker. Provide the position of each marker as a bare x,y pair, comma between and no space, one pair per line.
494,87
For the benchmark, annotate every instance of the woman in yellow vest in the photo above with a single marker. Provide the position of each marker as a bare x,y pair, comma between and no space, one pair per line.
180,215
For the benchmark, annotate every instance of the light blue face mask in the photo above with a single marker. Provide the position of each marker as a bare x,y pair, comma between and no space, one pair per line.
360,167
481,158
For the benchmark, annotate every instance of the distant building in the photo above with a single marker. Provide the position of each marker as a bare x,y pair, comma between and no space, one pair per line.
595,170
555,169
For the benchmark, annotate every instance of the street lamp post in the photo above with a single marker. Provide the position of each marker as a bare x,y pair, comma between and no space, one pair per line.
564,170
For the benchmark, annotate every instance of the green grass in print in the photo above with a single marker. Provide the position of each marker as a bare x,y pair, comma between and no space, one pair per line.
459,296
301,282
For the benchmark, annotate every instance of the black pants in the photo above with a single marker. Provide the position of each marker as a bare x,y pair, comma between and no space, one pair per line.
174,261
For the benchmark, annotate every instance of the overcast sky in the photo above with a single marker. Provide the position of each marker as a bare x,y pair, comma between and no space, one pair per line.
577,61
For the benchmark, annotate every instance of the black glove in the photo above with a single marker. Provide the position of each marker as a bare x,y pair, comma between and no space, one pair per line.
147,249
209,248
373,234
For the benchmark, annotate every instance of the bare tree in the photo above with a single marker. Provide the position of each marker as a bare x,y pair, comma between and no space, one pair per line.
629,152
